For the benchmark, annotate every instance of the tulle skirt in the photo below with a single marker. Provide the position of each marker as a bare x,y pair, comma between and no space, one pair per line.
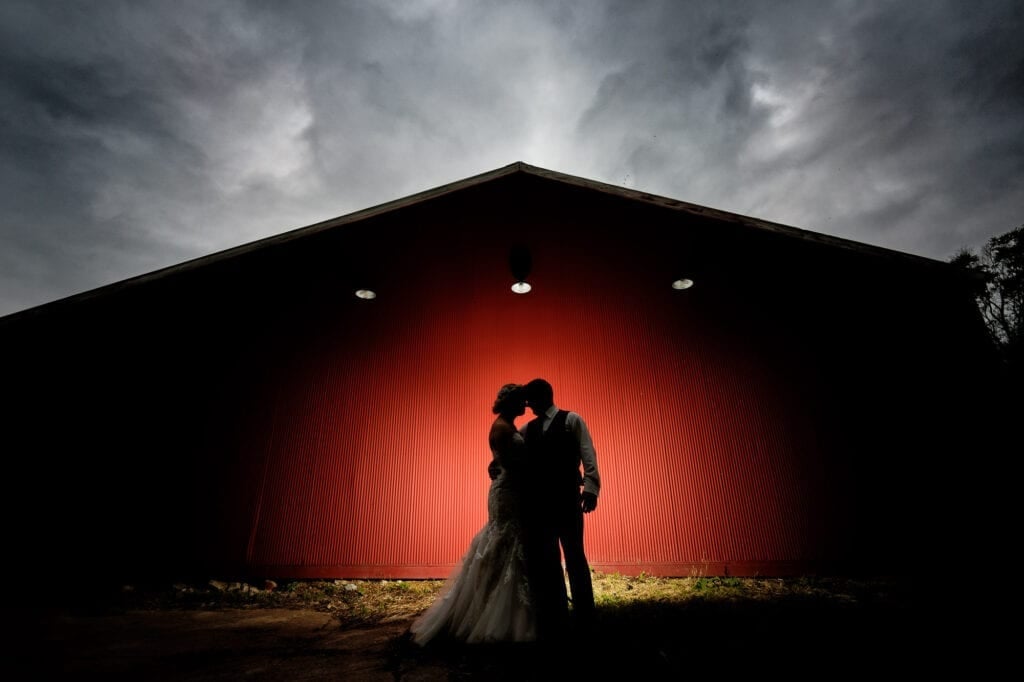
487,598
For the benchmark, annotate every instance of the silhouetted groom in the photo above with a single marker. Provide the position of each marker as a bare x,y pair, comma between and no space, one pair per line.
557,445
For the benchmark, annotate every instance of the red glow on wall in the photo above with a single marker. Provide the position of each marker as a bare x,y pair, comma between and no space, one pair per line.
800,407
251,416
376,453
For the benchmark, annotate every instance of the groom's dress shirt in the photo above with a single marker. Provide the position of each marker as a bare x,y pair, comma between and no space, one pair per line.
575,424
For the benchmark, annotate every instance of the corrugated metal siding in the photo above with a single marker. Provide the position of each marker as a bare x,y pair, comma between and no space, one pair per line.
377,462
253,417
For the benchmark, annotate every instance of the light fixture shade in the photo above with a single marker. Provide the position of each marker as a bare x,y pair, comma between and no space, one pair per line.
520,262
521,287
684,283
366,294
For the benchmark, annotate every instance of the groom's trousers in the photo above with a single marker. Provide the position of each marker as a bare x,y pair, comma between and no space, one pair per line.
545,576
569,527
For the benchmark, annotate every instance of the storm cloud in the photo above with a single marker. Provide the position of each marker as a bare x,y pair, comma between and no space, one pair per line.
137,135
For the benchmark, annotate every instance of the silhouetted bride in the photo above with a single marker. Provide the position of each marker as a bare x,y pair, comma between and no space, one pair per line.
487,598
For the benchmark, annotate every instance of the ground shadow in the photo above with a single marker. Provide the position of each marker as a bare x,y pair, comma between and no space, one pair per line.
792,635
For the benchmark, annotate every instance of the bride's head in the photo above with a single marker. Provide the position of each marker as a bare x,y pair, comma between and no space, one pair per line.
511,401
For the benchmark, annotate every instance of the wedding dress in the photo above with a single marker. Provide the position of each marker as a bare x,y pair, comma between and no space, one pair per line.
487,597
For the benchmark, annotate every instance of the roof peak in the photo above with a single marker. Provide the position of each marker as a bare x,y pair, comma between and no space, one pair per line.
516,167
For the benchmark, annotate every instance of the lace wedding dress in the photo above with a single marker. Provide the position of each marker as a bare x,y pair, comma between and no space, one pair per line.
487,598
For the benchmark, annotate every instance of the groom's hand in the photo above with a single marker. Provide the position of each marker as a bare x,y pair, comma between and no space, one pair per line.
589,502
493,469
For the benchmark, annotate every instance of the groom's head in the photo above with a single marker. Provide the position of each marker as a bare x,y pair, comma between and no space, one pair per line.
539,396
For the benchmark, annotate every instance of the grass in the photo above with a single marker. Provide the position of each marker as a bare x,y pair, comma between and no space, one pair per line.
357,603
646,627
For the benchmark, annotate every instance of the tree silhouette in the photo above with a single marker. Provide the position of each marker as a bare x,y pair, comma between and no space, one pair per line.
999,291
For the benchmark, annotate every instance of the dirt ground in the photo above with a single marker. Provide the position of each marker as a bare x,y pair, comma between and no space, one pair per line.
808,638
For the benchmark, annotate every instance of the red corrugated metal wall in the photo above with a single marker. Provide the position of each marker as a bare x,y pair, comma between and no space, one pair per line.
800,407
374,460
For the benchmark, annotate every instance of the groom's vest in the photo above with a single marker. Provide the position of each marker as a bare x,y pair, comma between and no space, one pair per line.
555,459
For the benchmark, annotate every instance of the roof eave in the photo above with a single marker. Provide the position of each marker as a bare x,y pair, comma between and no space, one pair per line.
479,179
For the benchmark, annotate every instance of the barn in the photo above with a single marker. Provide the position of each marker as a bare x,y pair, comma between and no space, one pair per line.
764,400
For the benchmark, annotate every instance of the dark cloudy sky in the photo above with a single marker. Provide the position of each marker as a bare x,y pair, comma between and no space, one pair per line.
136,135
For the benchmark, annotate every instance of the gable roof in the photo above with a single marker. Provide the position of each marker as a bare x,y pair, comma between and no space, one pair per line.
518,167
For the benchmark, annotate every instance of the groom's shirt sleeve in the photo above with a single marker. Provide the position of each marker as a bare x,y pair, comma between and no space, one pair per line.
591,478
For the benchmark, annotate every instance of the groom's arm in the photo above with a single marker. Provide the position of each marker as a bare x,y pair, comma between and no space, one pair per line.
588,455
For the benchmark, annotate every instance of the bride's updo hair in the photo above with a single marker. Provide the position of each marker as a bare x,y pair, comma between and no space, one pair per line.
508,395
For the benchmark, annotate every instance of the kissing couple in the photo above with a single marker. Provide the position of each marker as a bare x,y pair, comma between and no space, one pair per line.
510,585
